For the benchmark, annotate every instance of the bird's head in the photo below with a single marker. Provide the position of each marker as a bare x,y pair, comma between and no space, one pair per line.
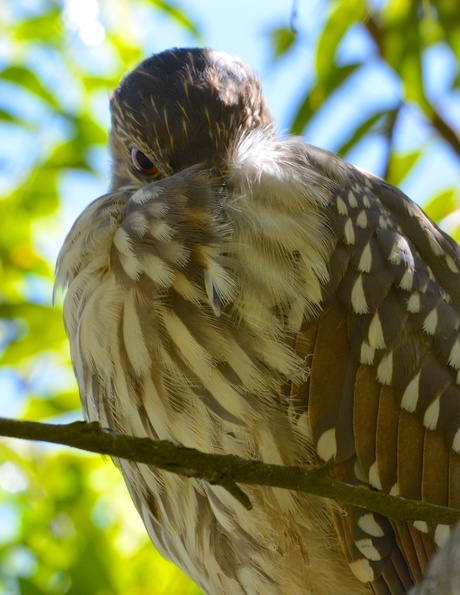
179,108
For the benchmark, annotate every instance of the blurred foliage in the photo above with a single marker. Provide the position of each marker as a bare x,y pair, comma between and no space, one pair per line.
66,521
77,531
67,524
403,40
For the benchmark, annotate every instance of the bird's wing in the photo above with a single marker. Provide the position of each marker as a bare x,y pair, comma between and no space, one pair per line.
383,391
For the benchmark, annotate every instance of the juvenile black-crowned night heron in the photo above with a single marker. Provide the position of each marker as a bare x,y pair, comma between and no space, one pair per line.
237,292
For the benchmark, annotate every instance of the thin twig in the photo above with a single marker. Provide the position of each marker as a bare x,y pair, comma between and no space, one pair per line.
225,470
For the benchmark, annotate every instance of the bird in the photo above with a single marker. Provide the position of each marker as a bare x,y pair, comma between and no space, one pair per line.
239,291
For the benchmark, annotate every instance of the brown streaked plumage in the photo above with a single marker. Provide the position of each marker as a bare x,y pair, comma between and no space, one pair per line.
259,296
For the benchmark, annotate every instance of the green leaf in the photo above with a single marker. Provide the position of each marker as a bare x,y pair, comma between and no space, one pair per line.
44,27
39,408
360,132
441,205
400,166
180,17
43,331
39,194
89,132
344,14
6,116
68,155
129,54
282,40
319,94
25,78
27,587
403,46
448,13
95,83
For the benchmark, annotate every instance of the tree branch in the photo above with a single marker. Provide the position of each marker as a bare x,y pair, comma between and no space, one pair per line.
225,470
445,130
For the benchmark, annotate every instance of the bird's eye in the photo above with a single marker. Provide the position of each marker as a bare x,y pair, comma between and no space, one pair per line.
142,163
